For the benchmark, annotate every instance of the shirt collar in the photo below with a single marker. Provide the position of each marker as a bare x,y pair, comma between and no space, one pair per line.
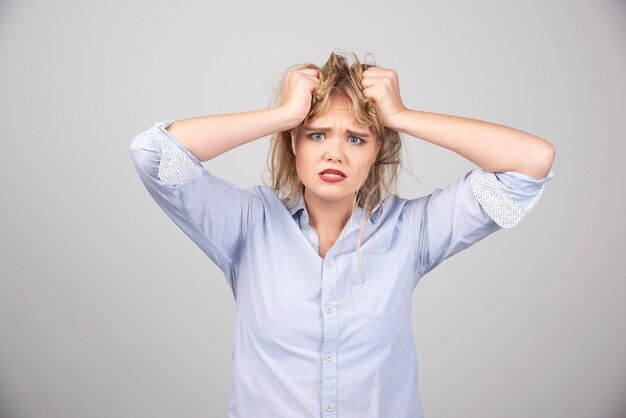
300,206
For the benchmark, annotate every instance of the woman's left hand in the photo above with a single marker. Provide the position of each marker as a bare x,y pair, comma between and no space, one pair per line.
382,85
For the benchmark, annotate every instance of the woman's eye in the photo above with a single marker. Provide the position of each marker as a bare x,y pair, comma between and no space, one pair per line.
355,140
318,136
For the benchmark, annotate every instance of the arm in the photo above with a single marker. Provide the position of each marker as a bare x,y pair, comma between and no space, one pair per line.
199,135
213,212
492,147
514,167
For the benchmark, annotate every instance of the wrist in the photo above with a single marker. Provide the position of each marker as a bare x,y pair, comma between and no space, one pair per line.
398,121
282,119
288,117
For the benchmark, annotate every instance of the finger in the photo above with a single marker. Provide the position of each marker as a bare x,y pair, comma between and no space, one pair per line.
294,78
309,71
314,80
372,81
368,82
311,78
376,71
370,92
382,74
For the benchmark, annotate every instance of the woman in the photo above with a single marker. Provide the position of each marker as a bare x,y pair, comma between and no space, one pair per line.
323,324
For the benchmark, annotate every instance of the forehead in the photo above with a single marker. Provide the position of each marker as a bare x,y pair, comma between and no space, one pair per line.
339,110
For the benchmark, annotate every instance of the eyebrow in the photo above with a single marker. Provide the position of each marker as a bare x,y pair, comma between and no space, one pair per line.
351,132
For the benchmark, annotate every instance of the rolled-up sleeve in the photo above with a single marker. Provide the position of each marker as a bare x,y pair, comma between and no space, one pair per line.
480,203
213,212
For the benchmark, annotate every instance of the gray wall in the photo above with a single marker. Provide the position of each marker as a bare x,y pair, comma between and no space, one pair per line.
108,310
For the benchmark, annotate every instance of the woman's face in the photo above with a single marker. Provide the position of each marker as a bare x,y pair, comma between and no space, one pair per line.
333,155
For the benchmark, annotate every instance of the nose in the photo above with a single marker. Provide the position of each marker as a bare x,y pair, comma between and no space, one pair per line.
334,150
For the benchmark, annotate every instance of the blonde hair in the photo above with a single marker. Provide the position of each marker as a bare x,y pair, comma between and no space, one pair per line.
338,76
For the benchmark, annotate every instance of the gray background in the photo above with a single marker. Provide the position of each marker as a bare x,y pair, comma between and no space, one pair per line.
108,310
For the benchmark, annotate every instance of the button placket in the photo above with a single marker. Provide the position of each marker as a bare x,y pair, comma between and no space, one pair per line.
314,239
329,347
312,234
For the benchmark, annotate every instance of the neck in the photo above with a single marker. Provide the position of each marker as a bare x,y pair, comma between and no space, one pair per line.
327,216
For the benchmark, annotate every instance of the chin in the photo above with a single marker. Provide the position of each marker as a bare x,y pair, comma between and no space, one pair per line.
332,197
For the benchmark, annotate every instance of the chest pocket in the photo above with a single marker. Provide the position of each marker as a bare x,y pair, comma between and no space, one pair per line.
375,287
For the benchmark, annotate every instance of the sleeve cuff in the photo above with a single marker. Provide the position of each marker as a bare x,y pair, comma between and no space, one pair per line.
507,196
177,164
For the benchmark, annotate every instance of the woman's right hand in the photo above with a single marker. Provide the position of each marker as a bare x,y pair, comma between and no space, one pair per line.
297,93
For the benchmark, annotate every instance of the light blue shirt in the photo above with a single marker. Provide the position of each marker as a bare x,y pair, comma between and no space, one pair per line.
329,337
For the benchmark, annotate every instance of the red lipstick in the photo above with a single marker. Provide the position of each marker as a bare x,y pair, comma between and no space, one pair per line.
332,176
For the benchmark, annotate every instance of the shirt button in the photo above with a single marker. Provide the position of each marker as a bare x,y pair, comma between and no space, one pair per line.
329,263
329,356
328,309
329,407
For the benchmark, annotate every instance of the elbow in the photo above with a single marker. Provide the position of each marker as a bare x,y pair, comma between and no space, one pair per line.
543,160
549,153
145,154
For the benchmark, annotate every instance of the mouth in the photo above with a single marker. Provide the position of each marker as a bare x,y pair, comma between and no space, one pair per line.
332,176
